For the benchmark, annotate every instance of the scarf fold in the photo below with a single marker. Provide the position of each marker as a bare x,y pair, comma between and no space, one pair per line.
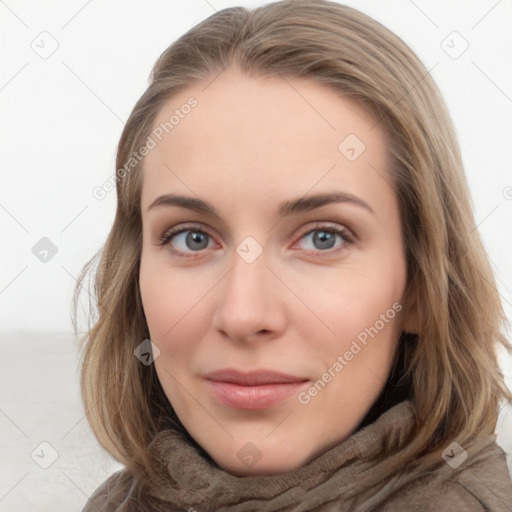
350,477
189,480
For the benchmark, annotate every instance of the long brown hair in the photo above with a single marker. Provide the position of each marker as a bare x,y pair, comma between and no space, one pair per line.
456,380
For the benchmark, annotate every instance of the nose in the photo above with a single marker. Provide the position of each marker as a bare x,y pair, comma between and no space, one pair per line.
249,304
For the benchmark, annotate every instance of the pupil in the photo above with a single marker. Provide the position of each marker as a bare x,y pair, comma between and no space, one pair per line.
196,237
324,239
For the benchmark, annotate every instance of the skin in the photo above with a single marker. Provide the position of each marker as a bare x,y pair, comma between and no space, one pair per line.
249,144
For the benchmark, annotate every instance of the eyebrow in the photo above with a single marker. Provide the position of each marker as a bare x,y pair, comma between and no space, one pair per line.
285,209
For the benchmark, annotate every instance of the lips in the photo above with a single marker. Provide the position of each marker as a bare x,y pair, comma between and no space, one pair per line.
257,389
253,378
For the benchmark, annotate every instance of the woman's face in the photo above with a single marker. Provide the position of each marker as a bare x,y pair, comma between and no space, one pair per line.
276,316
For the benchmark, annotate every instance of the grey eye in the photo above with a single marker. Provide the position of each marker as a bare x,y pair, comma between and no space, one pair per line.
192,240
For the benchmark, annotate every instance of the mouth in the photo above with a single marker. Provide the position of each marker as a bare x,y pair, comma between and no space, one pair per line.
253,390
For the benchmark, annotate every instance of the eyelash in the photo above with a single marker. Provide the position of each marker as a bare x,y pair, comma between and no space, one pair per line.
171,233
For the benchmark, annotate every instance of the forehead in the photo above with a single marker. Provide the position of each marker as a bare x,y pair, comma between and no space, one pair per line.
259,135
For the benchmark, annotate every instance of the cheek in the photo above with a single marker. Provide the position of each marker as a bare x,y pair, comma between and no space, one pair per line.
171,305
175,316
361,306
156,293
352,299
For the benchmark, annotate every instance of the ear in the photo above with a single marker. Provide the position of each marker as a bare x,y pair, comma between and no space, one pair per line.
410,317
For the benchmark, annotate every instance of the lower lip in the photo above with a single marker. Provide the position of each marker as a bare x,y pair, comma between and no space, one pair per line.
253,397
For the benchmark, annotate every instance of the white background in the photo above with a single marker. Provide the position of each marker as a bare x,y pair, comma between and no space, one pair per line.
61,120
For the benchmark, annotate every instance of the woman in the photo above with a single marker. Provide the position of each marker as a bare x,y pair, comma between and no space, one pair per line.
323,337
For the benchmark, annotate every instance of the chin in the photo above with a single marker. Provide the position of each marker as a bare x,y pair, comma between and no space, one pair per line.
260,469
275,463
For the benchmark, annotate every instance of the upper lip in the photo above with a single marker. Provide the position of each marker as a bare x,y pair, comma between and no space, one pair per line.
252,378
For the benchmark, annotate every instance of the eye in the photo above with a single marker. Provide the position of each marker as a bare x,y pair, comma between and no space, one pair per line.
189,239
323,239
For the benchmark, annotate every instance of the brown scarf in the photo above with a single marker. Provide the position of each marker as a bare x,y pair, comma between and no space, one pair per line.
345,478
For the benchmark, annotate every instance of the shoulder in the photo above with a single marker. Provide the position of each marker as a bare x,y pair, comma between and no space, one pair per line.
480,482
113,495
486,482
